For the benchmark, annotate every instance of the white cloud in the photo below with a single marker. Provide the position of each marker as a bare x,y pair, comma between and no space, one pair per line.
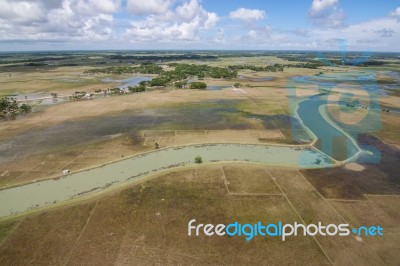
385,32
247,14
319,6
261,37
181,24
184,23
362,33
189,10
66,20
325,13
21,11
396,13
148,7
96,6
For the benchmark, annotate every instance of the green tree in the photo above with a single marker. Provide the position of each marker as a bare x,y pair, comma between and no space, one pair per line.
138,88
180,84
161,81
25,108
198,85
198,159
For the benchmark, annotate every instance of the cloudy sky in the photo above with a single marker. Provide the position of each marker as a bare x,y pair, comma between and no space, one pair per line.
199,24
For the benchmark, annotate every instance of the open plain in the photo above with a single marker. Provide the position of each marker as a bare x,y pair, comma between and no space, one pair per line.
144,221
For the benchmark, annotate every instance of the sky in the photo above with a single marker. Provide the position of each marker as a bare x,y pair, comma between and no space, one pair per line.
369,25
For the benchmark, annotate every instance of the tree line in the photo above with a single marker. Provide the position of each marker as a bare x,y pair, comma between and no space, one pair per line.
9,108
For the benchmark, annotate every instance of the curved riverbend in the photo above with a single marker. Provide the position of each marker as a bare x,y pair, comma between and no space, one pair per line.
329,138
319,154
44,193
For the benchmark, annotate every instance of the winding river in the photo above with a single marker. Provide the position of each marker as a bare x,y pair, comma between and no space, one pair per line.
27,197
22,198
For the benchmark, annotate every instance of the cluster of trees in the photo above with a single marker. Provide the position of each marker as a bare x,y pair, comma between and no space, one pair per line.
277,67
162,57
364,64
10,108
303,57
271,68
178,76
159,81
138,88
310,65
142,69
116,90
198,85
184,71
148,69
309,60
180,84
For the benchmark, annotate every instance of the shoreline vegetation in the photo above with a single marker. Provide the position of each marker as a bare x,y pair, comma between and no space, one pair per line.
10,109
182,75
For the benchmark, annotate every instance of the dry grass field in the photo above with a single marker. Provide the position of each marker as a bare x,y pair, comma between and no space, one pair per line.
147,223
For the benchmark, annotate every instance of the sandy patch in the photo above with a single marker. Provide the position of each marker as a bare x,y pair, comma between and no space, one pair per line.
239,91
354,167
359,239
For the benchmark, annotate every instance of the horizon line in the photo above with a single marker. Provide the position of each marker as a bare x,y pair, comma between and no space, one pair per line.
189,50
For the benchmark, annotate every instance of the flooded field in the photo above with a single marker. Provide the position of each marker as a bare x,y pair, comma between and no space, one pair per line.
210,115
38,98
216,87
133,81
367,81
258,79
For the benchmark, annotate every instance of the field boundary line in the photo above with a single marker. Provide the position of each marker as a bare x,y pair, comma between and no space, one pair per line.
244,194
225,181
347,200
297,213
12,230
382,195
80,234
255,194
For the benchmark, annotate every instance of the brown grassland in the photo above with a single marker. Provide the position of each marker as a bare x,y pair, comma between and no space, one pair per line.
147,223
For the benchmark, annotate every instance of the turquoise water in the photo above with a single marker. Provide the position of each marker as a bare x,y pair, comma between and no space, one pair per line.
331,141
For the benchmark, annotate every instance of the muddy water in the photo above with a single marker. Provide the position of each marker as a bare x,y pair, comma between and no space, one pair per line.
19,199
